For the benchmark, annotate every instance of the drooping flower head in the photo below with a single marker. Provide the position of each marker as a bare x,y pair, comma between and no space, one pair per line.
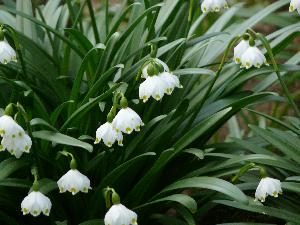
252,57
241,48
268,186
109,135
36,203
14,138
118,214
74,181
159,81
127,119
213,5
295,5
7,53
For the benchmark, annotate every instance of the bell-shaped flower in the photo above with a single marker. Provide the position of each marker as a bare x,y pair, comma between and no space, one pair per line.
153,86
7,53
74,181
213,5
36,203
268,186
9,127
158,61
171,81
295,5
16,145
253,57
239,50
118,214
109,135
127,120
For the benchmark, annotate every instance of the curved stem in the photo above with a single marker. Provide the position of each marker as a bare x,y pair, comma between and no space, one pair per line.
276,69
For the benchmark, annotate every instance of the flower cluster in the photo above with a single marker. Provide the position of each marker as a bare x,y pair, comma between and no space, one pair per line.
248,55
14,138
213,5
159,81
126,121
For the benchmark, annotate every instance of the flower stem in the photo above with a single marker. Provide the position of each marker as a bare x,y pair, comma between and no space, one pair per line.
276,69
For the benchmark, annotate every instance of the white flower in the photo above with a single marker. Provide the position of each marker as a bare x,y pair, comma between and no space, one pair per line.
127,120
253,57
119,215
35,203
295,4
8,126
153,86
74,181
7,53
213,5
14,138
158,85
239,50
165,66
16,145
109,135
171,81
268,186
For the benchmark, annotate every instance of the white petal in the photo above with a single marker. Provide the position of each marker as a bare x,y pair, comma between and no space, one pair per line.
74,181
7,53
36,203
127,120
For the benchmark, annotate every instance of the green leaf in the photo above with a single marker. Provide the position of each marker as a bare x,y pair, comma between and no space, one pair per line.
63,139
182,199
10,165
93,222
265,210
210,183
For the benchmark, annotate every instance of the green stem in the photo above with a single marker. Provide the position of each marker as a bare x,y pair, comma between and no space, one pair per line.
93,21
276,69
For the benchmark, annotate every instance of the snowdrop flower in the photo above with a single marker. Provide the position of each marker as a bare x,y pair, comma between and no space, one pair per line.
74,181
268,186
7,53
109,135
159,62
171,81
295,5
153,86
213,5
158,85
127,120
35,203
14,138
9,127
239,50
16,145
118,214
253,57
